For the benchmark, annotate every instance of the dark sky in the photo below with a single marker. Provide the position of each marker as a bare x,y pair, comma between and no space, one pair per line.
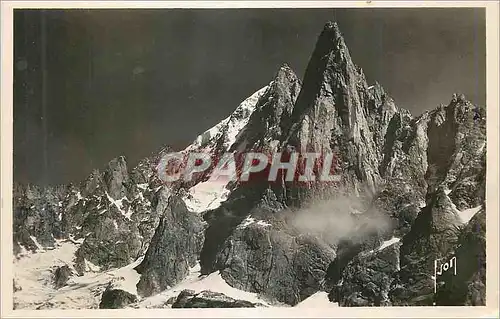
90,85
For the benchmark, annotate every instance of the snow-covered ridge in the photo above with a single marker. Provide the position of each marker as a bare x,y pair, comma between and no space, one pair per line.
229,127
210,194
467,214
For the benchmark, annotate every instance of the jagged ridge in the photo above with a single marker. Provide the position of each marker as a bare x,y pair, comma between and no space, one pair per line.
424,174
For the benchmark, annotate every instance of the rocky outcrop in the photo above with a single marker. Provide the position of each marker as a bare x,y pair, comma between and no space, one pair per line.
62,275
209,299
367,278
468,286
273,261
113,212
268,123
119,216
455,144
37,214
265,128
174,248
329,115
433,236
396,163
114,298
15,286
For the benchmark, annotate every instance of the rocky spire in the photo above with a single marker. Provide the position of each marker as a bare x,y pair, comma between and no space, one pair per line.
272,112
330,112
330,52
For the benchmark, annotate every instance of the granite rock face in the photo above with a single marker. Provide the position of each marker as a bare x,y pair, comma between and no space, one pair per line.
37,216
367,278
209,299
268,123
174,249
113,298
277,263
468,286
62,275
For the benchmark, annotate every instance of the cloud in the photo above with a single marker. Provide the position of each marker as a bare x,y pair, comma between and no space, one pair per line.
338,218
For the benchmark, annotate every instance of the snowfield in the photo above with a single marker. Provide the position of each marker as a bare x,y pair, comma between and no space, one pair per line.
317,300
206,195
389,242
213,282
33,273
467,214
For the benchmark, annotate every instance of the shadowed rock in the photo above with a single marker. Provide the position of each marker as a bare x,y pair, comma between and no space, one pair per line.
209,299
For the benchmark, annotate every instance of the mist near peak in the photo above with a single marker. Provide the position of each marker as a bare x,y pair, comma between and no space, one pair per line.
339,218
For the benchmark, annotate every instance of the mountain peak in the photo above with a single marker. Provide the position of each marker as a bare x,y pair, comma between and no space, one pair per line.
284,67
331,41
285,74
332,27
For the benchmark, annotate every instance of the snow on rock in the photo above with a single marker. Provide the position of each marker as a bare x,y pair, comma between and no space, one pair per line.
467,214
230,126
76,241
37,244
119,205
250,220
210,194
356,212
384,245
90,267
127,277
206,195
389,242
23,251
208,135
213,282
317,300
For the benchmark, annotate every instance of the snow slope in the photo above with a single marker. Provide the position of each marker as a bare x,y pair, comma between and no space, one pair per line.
33,273
229,127
317,300
206,195
466,214
388,243
210,194
213,282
